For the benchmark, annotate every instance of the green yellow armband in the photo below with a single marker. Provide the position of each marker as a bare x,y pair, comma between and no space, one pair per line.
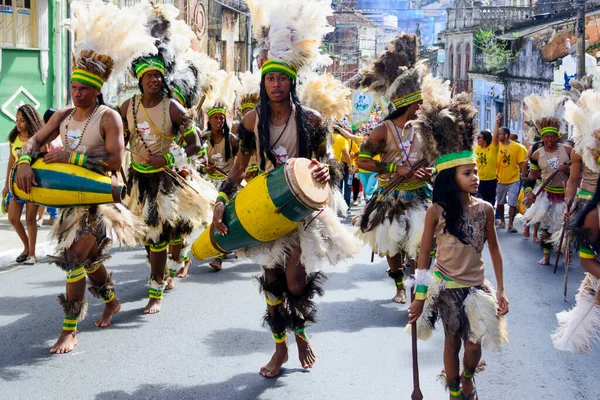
391,168
78,159
189,131
25,159
223,197
421,292
365,155
586,253
170,159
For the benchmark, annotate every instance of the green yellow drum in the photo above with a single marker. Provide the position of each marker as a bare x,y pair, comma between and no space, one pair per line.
268,208
66,185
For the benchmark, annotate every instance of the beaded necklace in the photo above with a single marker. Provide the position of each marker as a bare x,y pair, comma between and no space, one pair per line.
76,146
554,161
401,143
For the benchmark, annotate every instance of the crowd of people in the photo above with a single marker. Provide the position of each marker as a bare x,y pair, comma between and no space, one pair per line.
433,187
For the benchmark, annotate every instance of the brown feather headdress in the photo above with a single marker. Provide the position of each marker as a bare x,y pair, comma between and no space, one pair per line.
445,125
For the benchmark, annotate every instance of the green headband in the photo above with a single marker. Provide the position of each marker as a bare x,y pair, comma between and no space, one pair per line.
179,95
275,66
549,130
452,160
407,100
248,105
87,78
216,110
149,64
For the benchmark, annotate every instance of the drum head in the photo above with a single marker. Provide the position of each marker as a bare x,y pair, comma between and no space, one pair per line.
312,194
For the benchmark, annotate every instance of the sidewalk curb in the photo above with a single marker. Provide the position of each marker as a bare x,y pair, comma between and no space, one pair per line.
7,257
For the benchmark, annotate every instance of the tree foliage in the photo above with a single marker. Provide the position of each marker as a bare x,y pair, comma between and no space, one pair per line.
494,56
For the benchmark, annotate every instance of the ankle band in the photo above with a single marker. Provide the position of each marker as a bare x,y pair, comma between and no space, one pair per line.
109,296
280,337
156,290
455,393
69,324
301,332
76,274
186,257
172,272
399,283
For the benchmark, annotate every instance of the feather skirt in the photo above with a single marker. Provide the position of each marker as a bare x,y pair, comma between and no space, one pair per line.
396,223
170,209
322,240
579,328
471,312
548,211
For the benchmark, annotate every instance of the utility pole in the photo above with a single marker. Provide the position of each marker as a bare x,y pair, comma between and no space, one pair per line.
580,38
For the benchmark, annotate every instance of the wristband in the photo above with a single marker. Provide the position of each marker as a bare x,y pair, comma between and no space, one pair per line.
528,190
78,159
365,155
170,158
391,168
421,292
223,197
25,159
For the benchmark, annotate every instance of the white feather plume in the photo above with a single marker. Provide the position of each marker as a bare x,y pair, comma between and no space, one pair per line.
585,118
325,94
249,87
224,86
544,111
106,29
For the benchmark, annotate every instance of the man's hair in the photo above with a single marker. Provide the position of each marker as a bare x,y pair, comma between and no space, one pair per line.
487,136
514,137
505,130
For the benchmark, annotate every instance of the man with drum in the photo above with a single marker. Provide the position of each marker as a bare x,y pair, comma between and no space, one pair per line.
279,129
92,134
154,122
393,225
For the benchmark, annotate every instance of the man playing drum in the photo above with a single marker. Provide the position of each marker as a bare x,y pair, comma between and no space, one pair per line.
394,226
154,122
280,128
93,137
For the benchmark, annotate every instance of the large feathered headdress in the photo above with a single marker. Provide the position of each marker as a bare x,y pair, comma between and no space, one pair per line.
326,95
546,112
107,39
445,125
249,94
191,80
221,96
585,118
397,74
166,29
578,86
290,33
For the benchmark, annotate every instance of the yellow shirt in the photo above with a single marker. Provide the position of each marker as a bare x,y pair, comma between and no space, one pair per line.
509,158
486,162
339,144
16,146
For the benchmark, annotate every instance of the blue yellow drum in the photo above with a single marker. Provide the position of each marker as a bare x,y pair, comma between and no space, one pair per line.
268,208
66,185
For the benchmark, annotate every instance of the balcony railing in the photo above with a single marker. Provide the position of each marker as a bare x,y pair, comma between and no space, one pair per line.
460,18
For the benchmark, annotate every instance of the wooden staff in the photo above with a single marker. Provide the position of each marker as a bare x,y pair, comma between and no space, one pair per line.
567,260
416,394
560,245
417,166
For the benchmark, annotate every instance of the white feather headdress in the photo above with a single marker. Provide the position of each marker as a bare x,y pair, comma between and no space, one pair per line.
585,118
291,31
326,95
191,80
249,94
107,38
546,112
221,96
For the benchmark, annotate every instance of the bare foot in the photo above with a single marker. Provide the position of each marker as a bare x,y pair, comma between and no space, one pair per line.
65,343
153,307
216,264
306,353
183,271
110,309
502,225
526,232
468,386
170,285
400,297
536,239
545,260
272,369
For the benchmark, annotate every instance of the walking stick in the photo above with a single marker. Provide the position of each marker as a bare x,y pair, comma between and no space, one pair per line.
567,260
562,238
372,256
416,394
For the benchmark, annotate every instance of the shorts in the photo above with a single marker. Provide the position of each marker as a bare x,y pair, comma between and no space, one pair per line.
510,190
11,197
487,190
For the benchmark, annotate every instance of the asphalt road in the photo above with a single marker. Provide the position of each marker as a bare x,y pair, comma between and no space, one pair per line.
208,343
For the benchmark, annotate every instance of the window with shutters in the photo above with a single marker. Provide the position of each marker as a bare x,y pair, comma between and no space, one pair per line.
18,24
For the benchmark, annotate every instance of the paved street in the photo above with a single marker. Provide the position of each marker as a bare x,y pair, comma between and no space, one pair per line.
208,343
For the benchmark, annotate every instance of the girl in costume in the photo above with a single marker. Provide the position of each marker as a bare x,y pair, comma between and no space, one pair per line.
578,329
460,223
28,123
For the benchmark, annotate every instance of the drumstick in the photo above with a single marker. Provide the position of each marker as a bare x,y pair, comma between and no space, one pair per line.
567,260
416,394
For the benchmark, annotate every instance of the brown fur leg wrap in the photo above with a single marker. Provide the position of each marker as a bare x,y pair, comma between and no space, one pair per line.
102,292
396,275
74,308
302,308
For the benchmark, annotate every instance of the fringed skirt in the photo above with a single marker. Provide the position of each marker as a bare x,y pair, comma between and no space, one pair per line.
170,209
548,211
579,328
107,223
395,225
322,240
470,312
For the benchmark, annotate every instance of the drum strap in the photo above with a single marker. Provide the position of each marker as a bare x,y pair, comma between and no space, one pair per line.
127,189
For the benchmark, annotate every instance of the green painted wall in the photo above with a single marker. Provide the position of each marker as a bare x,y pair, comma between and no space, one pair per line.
22,68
